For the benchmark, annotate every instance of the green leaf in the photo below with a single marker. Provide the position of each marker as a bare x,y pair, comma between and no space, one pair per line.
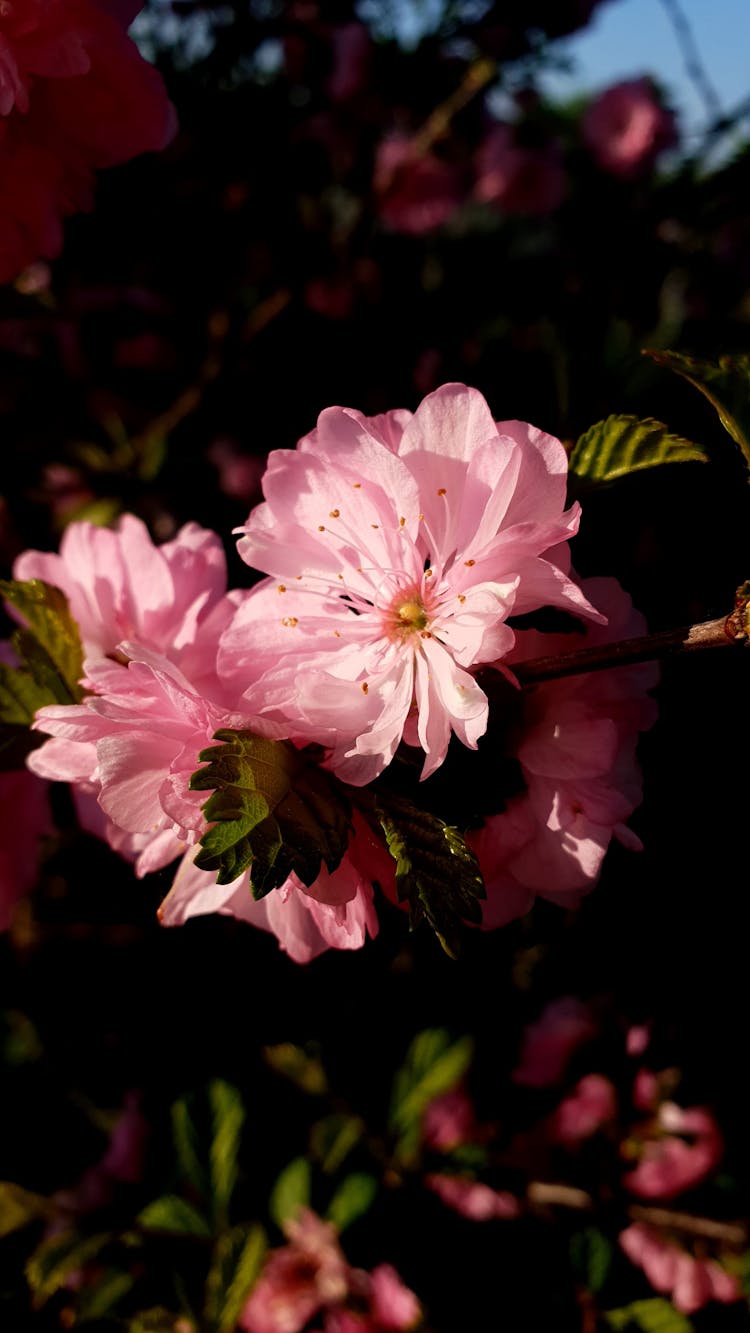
651,1316
173,1215
274,810
434,1064
291,1191
57,1258
436,872
726,385
51,644
620,445
185,1140
300,1067
98,1298
228,1116
236,1264
352,1199
591,1255
19,1207
333,1137
158,1320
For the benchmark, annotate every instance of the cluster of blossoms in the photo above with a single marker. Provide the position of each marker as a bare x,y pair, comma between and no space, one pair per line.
75,96
396,549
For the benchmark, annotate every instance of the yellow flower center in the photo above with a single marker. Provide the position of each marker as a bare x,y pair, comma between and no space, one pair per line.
412,615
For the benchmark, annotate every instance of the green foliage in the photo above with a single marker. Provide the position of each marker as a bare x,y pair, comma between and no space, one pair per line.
620,445
157,1320
185,1140
651,1316
436,872
274,810
210,1169
50,659
57,1258
175,1216
235,1266
299,1066
726,385
591,1255
228,1116
434,1064
101,1296
333,1137
19,1207
291,1191
353,1198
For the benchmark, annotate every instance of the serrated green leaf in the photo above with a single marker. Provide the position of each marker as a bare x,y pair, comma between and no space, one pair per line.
300,1067
173,1215
352,1199
591,1255
435,1063
228,1117
621,445
726,385
291,1191
235,1266
273,811
100,1297
50,646
57,1258
333,1137
436,872
185,1140
19,1207
651,1316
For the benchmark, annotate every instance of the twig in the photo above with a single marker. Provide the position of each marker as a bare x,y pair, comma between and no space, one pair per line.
691,56
550,1194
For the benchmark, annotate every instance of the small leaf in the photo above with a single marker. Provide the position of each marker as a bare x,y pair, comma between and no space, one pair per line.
185,1140
434,1064
291,1191
301,1068
436,872
57,1258
591,1255
228,1114
158,1320
352,1199
621,444
236,1264
651,1316
725,384
98,1298
333,1137
19,1207
173,1215
274,810
51,645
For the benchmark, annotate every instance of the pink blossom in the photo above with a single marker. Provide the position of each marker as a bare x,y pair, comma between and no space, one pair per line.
689,1282
626,128
472,1199
591,1104
577,750
416,192
449,1120
518,178
75,96
24,821
351,48
549,1044
684,1145
121,1164
392,1304
397,547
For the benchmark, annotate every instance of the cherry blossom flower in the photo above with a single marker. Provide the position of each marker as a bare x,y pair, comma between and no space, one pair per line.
549,1044
576,745
416,192
473,1199
397,546
75,96
449,1121
591,1104
517,178
626,128
677,1149
689,1282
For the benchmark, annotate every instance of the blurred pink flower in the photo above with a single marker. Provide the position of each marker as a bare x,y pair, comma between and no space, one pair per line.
398,545
516,178
415,191
677,1150
449,1120
626,128
351,48
75,96
24,821
591,1104
690,1283
549,1044
472,1199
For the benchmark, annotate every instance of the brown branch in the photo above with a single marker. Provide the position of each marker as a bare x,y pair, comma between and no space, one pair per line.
551,1194
477,76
